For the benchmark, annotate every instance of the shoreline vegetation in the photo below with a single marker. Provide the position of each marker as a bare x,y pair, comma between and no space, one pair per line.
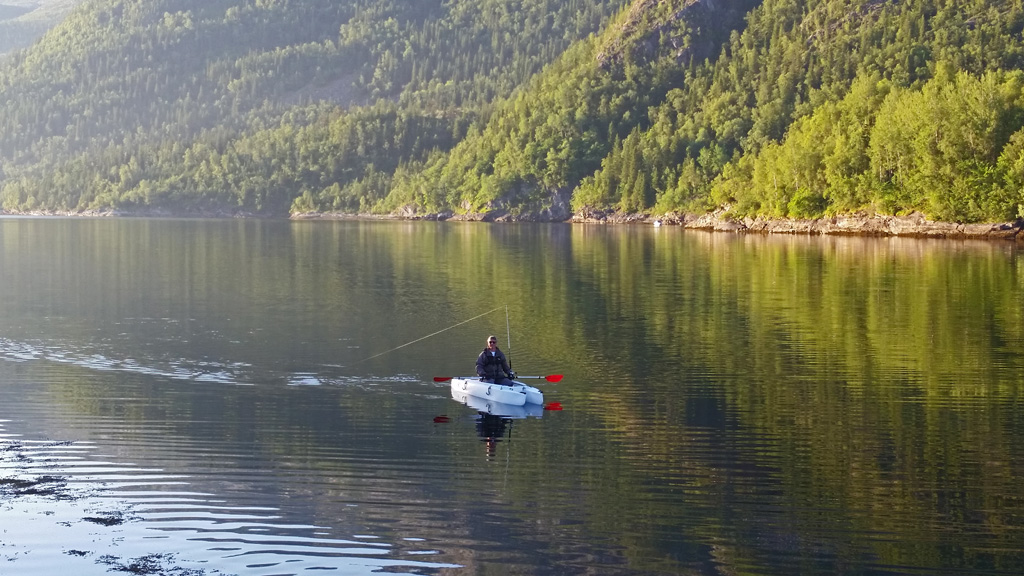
913,225
758,115
766,116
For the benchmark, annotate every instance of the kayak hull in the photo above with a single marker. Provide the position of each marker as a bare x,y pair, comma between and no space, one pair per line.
517,394
493,408
533,395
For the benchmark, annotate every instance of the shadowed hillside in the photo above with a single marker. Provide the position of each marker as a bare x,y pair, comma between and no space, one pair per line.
522,110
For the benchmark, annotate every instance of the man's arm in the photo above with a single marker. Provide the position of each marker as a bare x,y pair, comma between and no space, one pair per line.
480,365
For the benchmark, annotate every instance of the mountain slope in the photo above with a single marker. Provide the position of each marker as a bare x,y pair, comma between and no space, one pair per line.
541,143
127,92
23,21
525,109
814,108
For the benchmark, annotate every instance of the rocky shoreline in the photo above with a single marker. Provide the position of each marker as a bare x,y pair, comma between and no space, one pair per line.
914,225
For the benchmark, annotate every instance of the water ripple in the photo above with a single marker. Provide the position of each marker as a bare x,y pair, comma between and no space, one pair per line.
175,369
115,516
188,369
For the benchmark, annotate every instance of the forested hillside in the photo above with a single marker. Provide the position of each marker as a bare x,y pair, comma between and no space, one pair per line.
22,21
527,108
243,105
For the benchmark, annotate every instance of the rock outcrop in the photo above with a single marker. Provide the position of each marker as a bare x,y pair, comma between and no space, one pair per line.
911,225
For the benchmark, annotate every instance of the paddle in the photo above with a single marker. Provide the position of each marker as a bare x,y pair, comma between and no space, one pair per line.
549,378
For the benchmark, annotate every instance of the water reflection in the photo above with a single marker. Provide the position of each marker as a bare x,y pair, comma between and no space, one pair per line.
494,420
79,513
740,404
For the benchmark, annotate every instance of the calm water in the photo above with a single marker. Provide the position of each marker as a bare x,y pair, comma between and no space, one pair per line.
243,397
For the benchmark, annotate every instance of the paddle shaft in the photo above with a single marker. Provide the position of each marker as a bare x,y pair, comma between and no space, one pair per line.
549,378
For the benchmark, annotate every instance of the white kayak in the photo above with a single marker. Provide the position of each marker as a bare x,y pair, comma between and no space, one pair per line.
499,409
517,394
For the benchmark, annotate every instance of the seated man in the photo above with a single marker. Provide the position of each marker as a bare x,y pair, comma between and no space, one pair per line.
491,365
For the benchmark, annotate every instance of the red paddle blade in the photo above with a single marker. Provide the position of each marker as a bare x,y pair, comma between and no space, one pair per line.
554,378
555,406
442,378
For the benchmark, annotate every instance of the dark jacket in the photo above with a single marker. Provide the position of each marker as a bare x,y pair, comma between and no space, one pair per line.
492,366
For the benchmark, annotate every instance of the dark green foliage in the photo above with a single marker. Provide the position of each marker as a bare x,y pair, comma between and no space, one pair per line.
823,107
213,104
778,108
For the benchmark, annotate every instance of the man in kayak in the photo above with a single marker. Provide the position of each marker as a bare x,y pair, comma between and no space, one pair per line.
491,365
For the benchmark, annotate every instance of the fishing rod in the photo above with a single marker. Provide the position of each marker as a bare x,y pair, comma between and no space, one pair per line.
508,356
436,333
508,338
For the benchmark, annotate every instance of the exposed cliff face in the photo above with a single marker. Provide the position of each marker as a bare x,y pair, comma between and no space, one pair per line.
685,30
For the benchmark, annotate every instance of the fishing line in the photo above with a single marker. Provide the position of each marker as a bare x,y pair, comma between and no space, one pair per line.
508,337
429,335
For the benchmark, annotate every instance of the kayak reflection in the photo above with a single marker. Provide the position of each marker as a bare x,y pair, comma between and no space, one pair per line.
494,419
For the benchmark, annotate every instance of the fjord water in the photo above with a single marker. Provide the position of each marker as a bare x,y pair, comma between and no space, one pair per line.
256,397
